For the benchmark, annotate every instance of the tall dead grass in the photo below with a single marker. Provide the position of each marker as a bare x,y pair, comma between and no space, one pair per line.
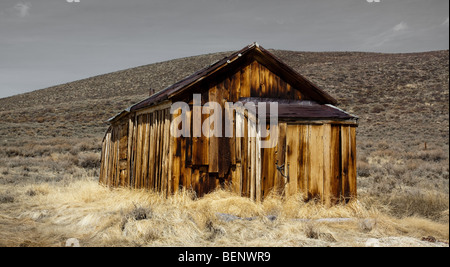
99,216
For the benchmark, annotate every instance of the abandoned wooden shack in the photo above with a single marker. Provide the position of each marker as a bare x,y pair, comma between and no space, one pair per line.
314,151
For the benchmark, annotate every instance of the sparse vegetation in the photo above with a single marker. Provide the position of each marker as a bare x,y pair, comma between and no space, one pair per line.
50,153
6,199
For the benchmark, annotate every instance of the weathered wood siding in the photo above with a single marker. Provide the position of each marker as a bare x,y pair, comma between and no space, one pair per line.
321,161
255,80
114,169
317,159
136,153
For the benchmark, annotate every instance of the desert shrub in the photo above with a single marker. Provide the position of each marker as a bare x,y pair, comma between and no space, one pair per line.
429,205
5,198
38,151
31,193
12,152
377,109
382,184
366,225
62,162
384,153
435,155
138,213
383,145
396,170
214,231
431,155
84,146
311,230
89,160
363,169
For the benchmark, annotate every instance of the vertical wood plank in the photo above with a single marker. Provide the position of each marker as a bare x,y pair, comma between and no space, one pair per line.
327,165
316,150
255,80
195,182
245,81
111,158
152,149
235,91
183,169
108,158
289,91
116,157
170,155
240,120
231,141
263,81
198,151
280,181
167,160
213,140
345,190
237,182
352,162
297,94
252,175
204,140
258,188
158,150
145,151
176,157
123,154
335,186
134,152
276,86
245,159
304,174
252,157
270,84
264,169
292,144
161,149
282,89
224,142
129,151
138,152
269,173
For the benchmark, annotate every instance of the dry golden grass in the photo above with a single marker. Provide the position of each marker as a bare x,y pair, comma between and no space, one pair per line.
99,216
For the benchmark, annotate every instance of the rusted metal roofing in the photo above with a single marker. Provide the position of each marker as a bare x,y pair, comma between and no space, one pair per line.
300,109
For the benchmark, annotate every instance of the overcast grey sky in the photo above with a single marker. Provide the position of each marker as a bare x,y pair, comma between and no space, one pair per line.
49,42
